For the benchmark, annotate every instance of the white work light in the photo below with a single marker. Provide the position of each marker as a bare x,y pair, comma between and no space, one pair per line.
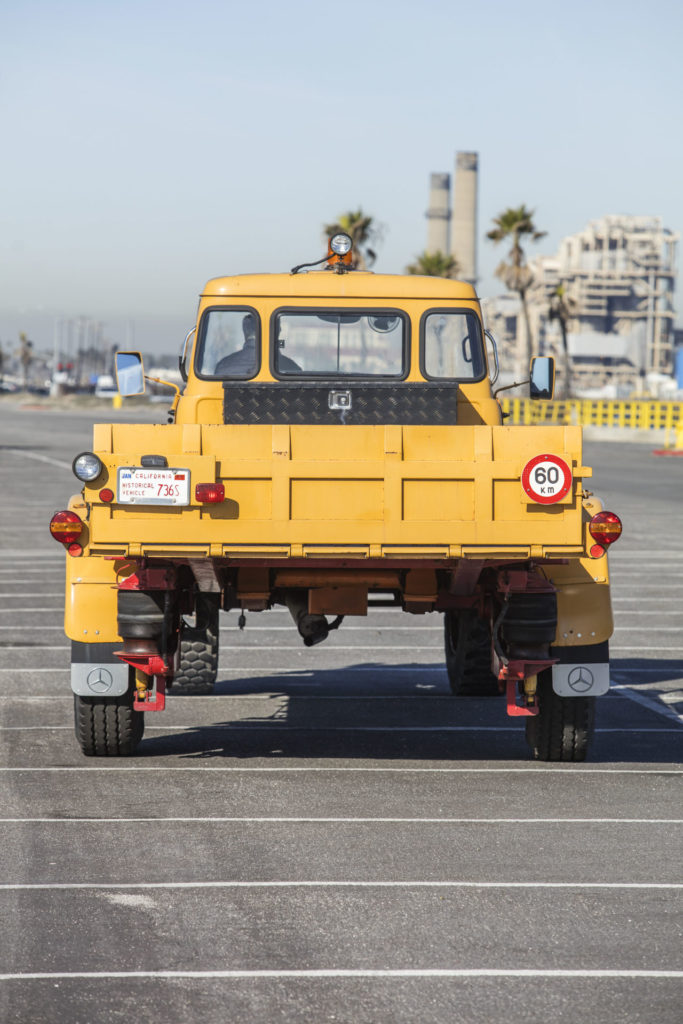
87,466
341,244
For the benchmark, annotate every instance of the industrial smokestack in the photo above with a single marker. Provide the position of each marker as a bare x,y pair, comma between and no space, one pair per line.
464,233
439,213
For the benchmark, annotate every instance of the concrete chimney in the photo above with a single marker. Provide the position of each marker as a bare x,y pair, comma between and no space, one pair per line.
439,213
464,231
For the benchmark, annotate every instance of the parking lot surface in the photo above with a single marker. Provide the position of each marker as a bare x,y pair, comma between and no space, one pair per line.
332,836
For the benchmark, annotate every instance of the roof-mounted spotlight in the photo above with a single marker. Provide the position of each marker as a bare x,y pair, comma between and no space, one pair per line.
341,244
339,255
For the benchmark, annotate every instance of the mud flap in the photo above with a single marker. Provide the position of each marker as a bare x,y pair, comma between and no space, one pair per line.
581,671
96,671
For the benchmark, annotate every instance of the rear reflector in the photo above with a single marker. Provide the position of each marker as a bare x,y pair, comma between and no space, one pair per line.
75,550
209,494
106,494
605,528
66,527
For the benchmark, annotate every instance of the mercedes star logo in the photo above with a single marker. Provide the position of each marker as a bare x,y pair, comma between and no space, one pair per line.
100,680
580,679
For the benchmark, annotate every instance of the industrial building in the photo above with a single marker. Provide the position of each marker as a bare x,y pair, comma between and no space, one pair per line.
616,279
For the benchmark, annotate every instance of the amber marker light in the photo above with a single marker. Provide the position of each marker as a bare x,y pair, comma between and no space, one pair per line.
209,494
66,527
605,528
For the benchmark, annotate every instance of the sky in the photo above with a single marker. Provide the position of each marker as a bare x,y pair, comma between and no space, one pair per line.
149,146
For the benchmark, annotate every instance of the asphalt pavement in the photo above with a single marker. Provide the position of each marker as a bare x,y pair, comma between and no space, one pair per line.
331,836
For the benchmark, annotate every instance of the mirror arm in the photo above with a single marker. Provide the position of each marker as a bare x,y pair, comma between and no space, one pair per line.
506,387
159,380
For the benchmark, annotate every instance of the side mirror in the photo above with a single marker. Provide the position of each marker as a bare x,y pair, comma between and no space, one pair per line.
130,373
542,378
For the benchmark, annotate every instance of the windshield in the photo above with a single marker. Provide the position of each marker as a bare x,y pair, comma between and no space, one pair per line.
364,344
452,346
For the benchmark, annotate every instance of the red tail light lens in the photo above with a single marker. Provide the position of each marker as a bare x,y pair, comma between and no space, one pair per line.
605,528
66,527
209,494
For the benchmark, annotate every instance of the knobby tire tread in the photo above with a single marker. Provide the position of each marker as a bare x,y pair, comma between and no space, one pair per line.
468,656
198,665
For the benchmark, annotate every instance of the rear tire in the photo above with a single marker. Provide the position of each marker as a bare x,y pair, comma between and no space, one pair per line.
198,666
468,655
108,726
564,726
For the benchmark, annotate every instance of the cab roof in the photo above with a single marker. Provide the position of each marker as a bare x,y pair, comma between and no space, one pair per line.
350,285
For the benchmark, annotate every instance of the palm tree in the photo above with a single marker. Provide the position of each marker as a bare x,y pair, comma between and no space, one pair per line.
363,232
563,308
435,264
514,223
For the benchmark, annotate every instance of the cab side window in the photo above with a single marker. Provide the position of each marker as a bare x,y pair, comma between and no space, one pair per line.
229,344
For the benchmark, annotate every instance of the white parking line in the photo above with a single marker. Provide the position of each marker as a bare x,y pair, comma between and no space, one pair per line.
337,884
473,972
38,458
31,572
569,771
56,608
349,821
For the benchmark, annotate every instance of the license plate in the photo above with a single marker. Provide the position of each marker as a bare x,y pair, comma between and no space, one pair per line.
138,486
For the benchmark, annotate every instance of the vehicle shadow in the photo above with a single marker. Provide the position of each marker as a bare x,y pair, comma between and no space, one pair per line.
647,670
380,713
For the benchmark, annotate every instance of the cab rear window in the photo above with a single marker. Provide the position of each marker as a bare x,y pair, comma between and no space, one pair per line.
336,343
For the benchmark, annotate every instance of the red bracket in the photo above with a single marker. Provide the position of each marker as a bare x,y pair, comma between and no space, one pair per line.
157,702
512,673
152,665
150,579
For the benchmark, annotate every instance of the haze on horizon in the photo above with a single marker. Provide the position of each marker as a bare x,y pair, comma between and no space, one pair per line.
150,146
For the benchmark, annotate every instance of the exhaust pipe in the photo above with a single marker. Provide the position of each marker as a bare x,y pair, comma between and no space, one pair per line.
313,628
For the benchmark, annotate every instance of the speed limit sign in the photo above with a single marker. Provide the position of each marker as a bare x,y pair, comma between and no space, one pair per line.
547,479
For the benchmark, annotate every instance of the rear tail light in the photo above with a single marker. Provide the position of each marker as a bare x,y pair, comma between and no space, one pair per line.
66,527
209,494
605,529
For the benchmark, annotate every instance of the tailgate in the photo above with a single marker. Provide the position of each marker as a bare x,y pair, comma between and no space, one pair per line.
352,491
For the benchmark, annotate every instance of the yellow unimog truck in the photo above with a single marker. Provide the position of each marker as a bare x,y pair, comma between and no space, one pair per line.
337,445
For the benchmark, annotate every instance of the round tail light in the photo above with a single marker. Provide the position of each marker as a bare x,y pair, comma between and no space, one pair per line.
66,527
605,528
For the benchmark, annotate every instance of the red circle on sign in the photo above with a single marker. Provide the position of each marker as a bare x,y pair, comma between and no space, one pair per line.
546,479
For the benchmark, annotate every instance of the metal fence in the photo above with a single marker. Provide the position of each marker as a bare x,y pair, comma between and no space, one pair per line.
632,414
